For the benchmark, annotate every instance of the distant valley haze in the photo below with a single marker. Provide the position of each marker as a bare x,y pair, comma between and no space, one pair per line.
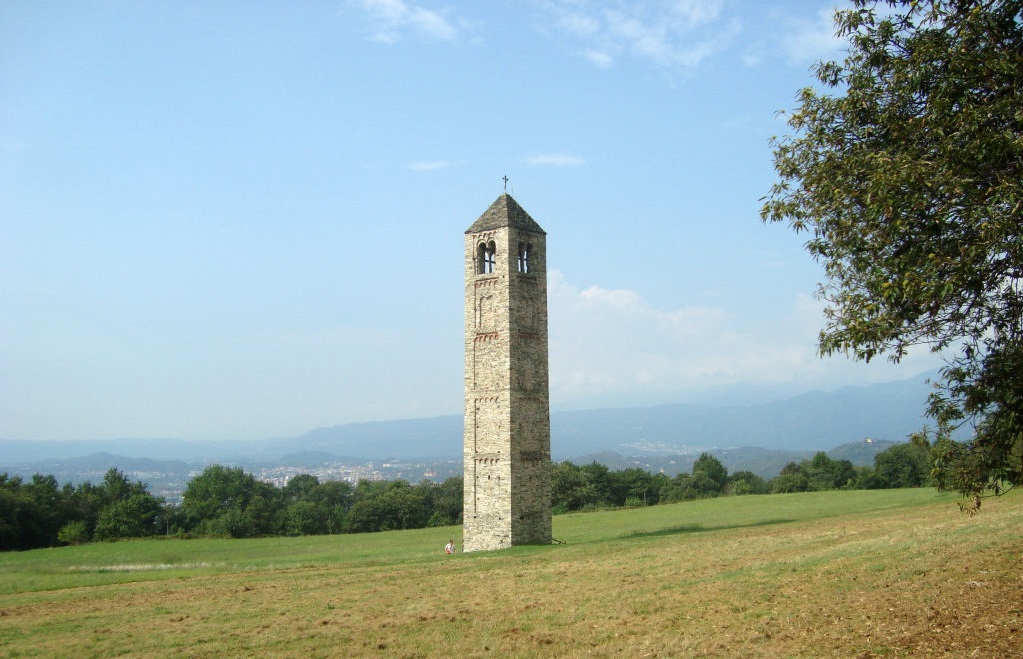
807,422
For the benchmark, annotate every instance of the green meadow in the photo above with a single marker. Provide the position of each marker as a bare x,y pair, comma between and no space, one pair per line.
844,574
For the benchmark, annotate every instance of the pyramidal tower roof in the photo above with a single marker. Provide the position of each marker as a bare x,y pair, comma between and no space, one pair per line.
505,212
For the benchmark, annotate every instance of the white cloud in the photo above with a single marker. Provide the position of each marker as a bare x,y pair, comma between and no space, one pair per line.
809,40
430,165
601,59
607,343
574,21
680,34
613,347
392,17
555,160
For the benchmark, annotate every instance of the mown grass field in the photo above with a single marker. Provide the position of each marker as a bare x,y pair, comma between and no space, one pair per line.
844,574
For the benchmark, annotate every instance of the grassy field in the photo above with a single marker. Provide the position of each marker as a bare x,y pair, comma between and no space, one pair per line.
844,574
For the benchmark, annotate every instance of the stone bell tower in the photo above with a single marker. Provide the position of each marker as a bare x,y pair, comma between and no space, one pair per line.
507,440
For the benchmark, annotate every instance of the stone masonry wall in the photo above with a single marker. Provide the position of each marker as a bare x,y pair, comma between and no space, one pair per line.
507,408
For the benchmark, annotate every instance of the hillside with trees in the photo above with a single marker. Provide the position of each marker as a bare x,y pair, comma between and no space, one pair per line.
229,502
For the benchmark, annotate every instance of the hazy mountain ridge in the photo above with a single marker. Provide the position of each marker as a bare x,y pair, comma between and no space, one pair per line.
168,478
807,423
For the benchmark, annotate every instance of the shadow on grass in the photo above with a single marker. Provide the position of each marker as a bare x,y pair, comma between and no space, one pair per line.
700,528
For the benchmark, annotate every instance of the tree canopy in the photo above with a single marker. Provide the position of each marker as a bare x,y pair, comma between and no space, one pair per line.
905,169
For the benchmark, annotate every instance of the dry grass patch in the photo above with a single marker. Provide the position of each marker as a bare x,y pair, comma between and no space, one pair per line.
906,581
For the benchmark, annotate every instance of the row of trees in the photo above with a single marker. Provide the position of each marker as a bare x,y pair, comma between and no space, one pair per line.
594,486
41,513
221,501
902,465
227,501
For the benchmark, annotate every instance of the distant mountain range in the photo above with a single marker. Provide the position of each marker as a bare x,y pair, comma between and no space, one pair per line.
754,437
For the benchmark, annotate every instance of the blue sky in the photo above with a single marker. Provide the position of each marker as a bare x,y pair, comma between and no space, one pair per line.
245,219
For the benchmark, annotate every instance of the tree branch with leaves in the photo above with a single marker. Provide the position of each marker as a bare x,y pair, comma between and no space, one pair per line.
905,170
